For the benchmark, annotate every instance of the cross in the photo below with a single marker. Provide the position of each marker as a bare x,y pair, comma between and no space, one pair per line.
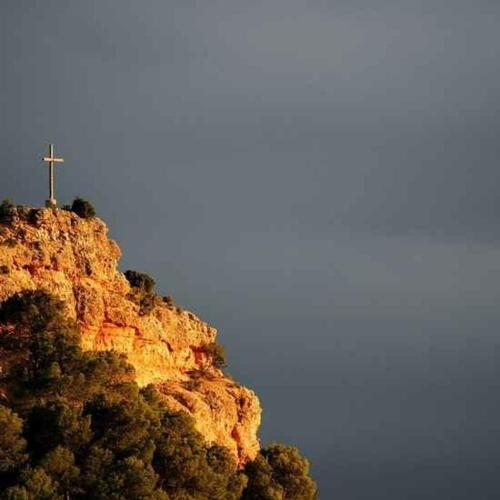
52,160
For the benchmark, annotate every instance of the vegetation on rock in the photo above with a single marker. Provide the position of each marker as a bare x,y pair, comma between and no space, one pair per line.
141,281
7,209
168,301
143,291
75,424
46,249
279,472
217,354
12,444
81,207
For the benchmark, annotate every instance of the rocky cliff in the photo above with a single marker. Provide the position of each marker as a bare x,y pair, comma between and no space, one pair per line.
73,258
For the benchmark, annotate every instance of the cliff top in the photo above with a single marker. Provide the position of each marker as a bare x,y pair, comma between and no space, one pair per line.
72,258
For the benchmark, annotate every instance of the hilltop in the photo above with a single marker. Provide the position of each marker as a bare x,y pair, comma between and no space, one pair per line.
73,259
109,391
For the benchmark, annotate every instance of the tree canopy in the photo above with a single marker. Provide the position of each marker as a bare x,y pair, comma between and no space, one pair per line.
83,208
74,424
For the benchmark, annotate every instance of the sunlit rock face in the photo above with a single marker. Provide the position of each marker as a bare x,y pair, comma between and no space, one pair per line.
73,258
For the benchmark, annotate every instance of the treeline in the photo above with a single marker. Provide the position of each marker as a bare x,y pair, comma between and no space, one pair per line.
75,425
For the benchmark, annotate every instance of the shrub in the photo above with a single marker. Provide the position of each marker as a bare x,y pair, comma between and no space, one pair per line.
33,484
7,209
41,345
4,269
140,280
143,291
52,424
12,444
169,301
83,208
188,469
217,353
279,472
59,465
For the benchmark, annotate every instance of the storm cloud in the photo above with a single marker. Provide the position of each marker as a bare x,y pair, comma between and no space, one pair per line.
319,180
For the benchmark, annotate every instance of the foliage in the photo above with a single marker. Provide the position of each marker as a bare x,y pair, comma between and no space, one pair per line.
12,444
56,424
59,465
188,469
83,208
41,342
217,353
279,472
129,478
143,291
7,209
140,280
33,484
76,425
169,301
261,484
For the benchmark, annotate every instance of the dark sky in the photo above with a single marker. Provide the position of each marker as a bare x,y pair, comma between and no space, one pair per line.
318,179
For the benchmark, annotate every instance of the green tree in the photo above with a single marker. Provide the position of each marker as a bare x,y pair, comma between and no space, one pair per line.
188,469
127,428
12,444
140,280
40,345
261,484
7,209
59,465
103,372
217,353
83,208
279,473
130,479
57,424
95,468
34,484
15,493
143,291
84,429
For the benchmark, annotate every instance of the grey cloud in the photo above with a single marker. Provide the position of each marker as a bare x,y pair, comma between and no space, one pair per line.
319,180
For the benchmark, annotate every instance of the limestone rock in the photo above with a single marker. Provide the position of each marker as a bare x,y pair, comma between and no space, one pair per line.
73,258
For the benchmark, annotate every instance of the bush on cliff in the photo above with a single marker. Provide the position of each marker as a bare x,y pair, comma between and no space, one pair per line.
141,281
277,473
216,353
143,291
83,208
7,209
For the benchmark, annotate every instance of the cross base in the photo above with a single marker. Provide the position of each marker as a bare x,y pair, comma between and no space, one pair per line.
51,203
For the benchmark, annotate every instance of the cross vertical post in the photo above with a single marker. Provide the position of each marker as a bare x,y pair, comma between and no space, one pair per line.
51,160
51,173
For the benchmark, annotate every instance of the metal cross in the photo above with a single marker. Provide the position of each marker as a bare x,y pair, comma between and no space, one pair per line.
52,160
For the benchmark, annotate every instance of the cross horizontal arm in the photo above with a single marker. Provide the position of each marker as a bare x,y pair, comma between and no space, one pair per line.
55,160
